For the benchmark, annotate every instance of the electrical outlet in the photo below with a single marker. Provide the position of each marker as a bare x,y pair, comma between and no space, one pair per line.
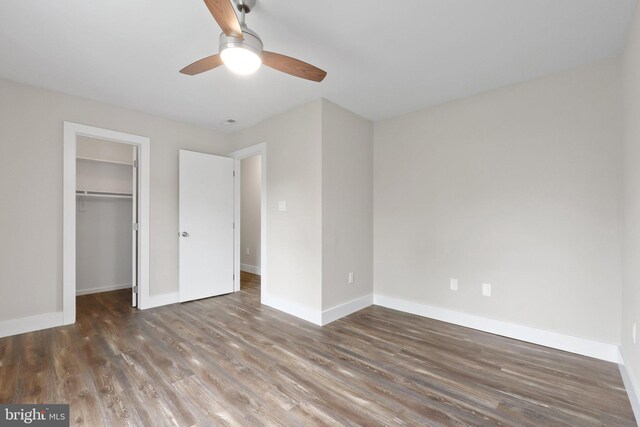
248,251
282,205
351,280
486,289
634,333
453,284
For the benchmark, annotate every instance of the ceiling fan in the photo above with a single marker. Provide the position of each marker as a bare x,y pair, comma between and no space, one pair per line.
241,48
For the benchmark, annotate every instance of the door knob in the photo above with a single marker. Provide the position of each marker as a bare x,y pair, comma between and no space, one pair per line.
185,234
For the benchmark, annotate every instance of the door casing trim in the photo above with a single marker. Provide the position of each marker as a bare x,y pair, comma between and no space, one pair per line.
71,132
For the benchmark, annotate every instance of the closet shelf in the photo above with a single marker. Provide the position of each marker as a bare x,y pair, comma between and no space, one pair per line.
114,162
104,194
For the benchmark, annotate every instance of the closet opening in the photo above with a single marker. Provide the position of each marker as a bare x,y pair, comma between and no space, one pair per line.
105,214
106,217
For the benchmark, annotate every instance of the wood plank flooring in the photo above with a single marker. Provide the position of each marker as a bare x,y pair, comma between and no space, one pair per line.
231,361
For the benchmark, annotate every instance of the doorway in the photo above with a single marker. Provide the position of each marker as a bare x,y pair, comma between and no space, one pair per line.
106,216
251,232
250,184
216,238
250,239
79,172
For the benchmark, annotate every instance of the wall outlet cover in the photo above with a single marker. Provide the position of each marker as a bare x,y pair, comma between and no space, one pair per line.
351,279
282,205
453,284
486,289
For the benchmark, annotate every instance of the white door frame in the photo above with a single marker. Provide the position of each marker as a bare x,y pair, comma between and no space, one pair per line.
258,149
71,132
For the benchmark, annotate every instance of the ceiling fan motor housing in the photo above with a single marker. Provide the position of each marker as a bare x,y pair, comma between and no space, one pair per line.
251,41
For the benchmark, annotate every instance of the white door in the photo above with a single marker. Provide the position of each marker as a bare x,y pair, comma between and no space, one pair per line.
206,225
134,240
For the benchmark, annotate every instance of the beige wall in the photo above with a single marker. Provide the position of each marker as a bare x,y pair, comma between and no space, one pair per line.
518,187
631,206
31,189
294,175
347,205
250,199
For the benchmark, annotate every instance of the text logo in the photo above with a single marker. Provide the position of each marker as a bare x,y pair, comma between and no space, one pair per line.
34,415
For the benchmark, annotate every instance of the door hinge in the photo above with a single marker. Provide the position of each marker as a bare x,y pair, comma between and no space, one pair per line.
135,289
234,173
234,225
135,163
135,226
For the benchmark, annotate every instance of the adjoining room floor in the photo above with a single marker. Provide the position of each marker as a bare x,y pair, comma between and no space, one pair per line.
231,361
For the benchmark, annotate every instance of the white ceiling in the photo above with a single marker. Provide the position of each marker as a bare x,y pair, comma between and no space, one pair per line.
384,59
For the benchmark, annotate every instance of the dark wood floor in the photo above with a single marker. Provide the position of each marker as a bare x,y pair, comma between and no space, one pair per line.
231,361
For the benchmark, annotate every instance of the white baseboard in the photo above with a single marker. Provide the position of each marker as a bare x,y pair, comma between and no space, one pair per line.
159,300
250,268
301,312
346,309
585,347
30,324
632,385
102,289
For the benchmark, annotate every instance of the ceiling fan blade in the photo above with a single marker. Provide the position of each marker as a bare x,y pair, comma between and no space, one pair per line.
292,66
225,16
205,64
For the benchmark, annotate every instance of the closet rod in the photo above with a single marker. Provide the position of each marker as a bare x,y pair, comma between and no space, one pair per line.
106,194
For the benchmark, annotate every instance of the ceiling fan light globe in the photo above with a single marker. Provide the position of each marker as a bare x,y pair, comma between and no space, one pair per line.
241,60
